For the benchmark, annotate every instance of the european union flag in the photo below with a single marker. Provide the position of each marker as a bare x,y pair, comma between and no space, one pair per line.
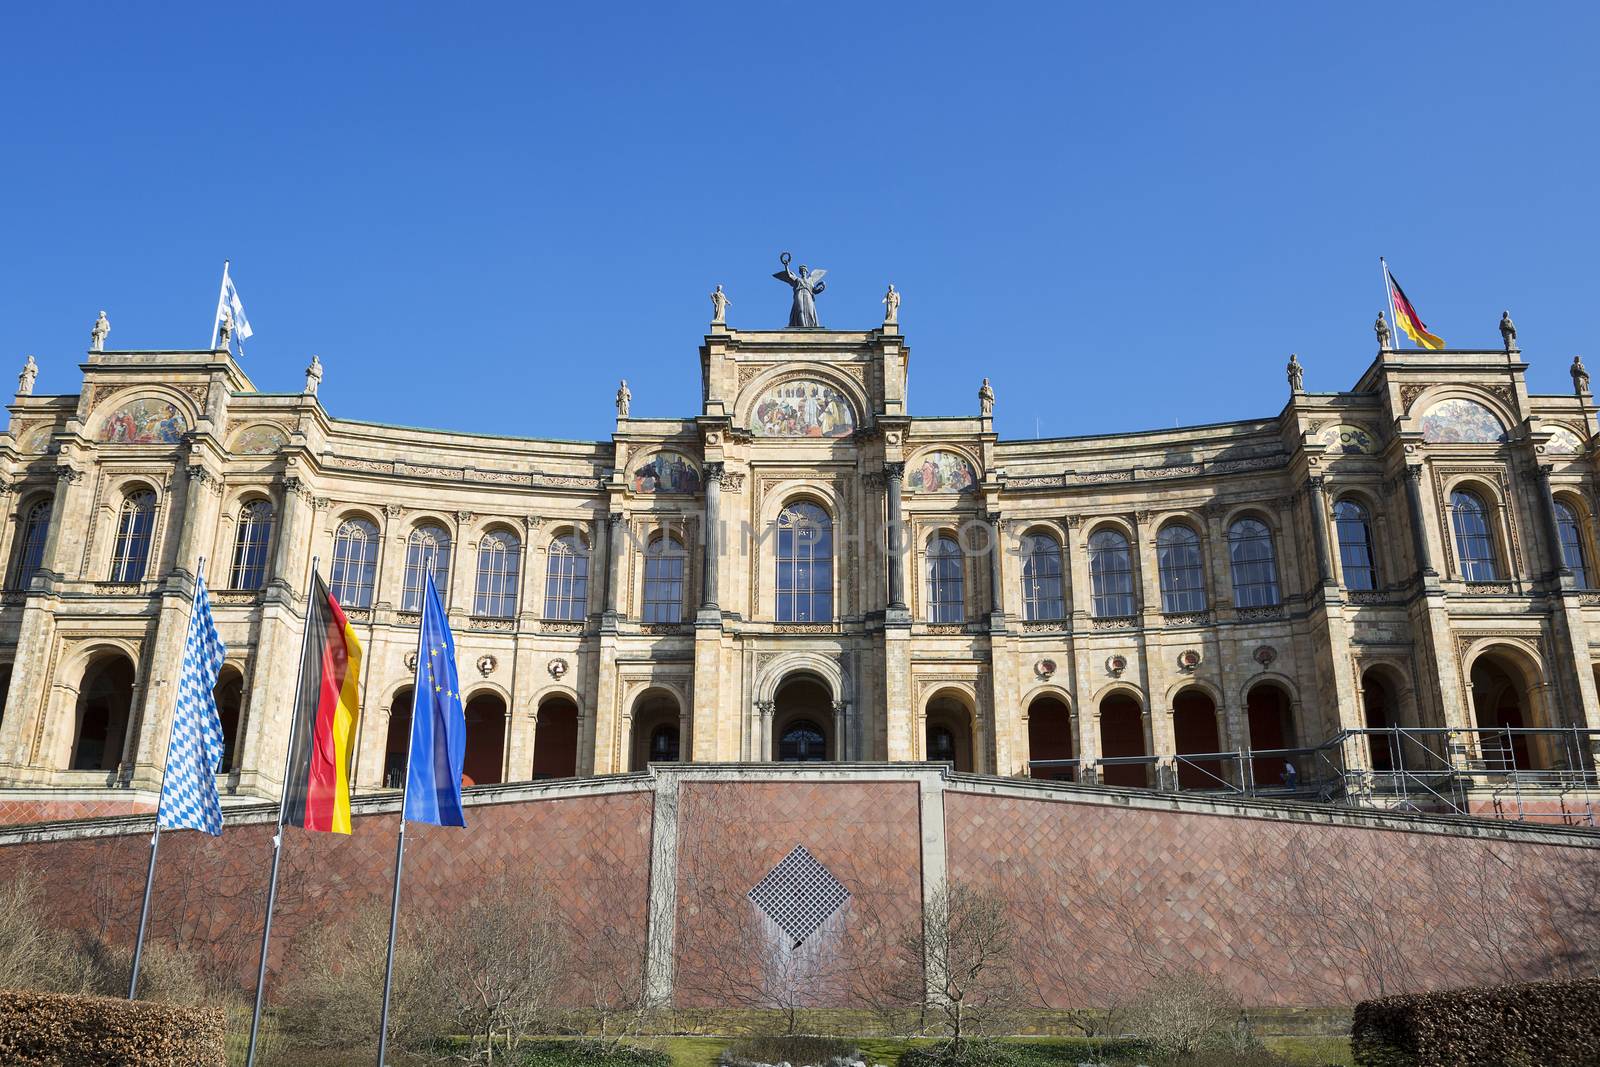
438,724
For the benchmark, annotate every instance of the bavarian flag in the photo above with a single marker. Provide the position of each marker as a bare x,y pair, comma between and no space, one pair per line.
317,792
1406,317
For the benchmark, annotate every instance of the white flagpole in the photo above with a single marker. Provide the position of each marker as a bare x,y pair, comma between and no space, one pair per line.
277,838
155,838
1388,294
222,300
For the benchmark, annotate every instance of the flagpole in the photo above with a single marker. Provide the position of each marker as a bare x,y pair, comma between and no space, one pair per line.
155,838
1388,293
400,843
277,837
222,296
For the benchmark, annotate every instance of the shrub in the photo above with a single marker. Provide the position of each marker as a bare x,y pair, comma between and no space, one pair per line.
969,1053
794,1049
69,1030
35,953
1186,1012
589,1054
1551,1024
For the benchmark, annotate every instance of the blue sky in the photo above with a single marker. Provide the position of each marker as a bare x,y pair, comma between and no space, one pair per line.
481,216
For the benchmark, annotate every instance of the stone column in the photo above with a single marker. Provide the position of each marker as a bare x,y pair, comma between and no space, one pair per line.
1552,526
1319,528
712,535
1419,529
841,745
614,537
893,473
996,609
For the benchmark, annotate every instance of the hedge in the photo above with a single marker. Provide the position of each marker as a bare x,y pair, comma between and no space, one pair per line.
1549,1024
61,1030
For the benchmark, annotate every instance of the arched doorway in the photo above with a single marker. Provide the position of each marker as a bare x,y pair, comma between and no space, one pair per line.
229,694
1502,700
1194,730
555,740
802,721
1121,735
104,700
947,733
1271,718
485,760
398,741
1050,737
657,726
1385,752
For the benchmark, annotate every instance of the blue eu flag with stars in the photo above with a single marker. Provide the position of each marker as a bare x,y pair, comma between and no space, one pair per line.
438,724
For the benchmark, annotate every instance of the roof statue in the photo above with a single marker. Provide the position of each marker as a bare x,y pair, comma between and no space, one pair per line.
25,380
986,400
719,306
1580,377
1381,328
807,286
313,376
891,305
1508,331
1296,373
97,336
225,327
624,399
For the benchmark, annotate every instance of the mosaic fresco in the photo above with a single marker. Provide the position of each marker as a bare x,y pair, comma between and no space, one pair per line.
259,440
1563,442
144,422
37,439
665,472
1457,421
941,472
802,408
1349,439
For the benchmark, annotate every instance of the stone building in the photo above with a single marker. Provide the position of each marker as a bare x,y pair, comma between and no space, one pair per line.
1415,552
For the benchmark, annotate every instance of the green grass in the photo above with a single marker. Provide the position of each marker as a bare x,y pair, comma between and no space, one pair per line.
703,1051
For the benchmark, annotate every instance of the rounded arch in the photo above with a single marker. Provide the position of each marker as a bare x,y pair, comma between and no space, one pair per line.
555,733
1109,522
486,710
568,528
801,662
662,470
1271,707
1508,692
102,712
357,513
943,468
1452,414
1127,689
1203,685
757,390
1196,732
1257,511
144,414
1191,521
1041,528
787,494
258,439
1052,729
1124,736
804,726
229,695
656,734
950,727
397,736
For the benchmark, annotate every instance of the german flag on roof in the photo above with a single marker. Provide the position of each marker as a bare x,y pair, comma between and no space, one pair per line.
317,792
1406,317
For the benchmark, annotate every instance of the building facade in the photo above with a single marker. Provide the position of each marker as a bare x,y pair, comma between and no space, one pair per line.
804,569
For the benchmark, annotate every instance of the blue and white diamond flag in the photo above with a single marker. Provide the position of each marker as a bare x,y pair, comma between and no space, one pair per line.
189,787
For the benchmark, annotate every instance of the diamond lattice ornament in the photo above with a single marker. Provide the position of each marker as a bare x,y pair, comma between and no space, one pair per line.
799,895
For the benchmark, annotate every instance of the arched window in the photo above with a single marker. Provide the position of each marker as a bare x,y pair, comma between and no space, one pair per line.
663,580
31,537
1572,544
805,564
566,580
132,552
945,601
251,541
427,552
1255,568
1111,575
1041,578
354,573
1474,545
1183,576
664,744
1355,545
499,565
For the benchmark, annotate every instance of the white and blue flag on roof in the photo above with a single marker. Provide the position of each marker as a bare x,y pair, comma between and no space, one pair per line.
194,754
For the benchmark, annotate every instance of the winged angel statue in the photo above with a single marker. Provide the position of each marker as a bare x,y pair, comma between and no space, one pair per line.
807,286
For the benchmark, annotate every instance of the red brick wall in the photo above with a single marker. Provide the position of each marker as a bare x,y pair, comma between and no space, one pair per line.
731,834
592,852
1288,913
24,812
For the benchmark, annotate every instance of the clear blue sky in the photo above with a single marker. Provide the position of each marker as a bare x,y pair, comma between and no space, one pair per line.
481,216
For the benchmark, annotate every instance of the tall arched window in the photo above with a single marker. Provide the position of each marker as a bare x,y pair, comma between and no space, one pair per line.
1255,567
1111,575
499,566
1572,544
131,554
1183,576
29,556
1474,544
566,579
663,580
805,564
1355,545
354,574
251,542
427,552
1041,578
945,600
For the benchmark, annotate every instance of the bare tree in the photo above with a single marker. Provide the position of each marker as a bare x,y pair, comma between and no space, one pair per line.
34,953
965,957
1184,1012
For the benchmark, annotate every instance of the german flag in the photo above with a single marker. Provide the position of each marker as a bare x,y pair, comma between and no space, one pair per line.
317,793
1407,319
